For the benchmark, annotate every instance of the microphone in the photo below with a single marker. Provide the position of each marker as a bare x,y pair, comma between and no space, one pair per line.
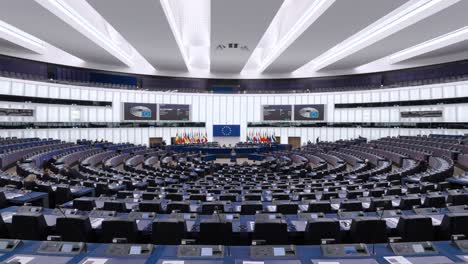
59,208
380,218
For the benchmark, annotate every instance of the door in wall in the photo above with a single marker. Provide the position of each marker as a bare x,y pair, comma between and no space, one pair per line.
155,142
295,142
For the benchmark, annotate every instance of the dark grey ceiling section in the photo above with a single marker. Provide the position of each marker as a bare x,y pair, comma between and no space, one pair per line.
447,20
343,19
144,25
241,22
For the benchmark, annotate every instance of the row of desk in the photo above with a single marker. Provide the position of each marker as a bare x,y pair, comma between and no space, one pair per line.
242,224
267,202
20,197
461,180
55,252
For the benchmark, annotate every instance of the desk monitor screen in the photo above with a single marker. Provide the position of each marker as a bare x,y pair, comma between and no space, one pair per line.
66,248
350,250
206,252
135,250
418,248
145,215
3,244
279,252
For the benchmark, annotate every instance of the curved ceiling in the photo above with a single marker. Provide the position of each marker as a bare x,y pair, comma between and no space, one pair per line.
236,39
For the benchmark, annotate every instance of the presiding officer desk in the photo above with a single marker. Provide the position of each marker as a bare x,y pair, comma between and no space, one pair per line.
241,150
54,252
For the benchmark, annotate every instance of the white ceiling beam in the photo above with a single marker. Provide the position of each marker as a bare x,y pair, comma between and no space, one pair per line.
21,38
86,20
446,40
404,16
190,22
297,17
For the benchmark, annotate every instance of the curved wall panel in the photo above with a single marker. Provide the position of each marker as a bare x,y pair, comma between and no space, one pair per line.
229,109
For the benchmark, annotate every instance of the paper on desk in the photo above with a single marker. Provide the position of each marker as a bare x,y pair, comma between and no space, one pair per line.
253,262
8,216
328,262
96,222
94,261
391,221
435,221
173,262
21,259
397,260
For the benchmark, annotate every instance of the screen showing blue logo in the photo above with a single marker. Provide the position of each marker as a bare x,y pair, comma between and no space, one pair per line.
140,111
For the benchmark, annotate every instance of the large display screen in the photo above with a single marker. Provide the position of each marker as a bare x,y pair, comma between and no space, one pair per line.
174,112
420,114
277,112
16,112
139,112
309,112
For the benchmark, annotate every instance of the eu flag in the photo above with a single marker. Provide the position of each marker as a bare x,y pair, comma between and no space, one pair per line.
226,130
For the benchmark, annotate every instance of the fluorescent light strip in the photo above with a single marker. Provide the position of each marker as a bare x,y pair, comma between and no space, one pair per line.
21,38
377,31
448,39
103,40
175,29
309,16
195,53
